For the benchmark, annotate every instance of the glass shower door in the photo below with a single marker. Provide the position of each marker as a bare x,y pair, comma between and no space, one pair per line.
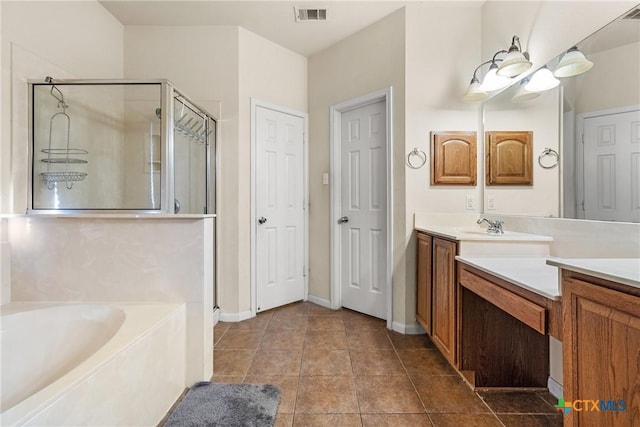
191,133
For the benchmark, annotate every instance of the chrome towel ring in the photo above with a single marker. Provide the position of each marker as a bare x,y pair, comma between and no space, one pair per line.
552,161
416,163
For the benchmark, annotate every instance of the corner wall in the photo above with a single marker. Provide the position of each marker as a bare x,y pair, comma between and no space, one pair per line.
221,68
442,50
39,39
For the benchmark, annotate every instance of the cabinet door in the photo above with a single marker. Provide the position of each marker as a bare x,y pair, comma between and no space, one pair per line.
423,309
509,158
444,297
602,328
453,158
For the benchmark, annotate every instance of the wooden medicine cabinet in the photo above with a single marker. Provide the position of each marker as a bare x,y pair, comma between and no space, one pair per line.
453,158
509,158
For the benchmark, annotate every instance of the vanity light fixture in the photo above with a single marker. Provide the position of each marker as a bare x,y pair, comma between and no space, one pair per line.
572,63
522,94
516,62
493,81
499,76
542,80
474,92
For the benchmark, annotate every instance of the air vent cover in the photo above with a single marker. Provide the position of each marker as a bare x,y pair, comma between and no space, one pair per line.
310,14
634,14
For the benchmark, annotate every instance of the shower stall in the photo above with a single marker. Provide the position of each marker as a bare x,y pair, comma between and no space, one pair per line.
119,146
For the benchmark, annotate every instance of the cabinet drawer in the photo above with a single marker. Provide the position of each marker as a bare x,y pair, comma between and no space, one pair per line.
527,312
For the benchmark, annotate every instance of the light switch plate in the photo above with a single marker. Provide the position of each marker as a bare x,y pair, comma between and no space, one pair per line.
491,202
470,205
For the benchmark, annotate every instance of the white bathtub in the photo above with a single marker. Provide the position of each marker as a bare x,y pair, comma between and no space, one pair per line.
90,364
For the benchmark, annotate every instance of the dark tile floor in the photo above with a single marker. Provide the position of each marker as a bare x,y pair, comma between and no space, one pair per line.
342,368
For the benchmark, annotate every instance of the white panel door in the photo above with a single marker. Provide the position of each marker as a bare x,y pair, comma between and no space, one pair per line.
279,208
364,206
612,167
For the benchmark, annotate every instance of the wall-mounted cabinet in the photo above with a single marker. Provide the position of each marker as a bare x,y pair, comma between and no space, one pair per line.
509,157
453,158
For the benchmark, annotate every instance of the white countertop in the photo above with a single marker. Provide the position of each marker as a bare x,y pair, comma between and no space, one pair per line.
621,270
478,233
533,274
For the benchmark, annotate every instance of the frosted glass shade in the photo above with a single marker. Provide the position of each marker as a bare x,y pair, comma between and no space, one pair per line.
523,94
572,63
492,81
474,93
515,63
542,80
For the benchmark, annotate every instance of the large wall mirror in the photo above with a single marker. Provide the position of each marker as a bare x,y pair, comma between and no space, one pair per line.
592,120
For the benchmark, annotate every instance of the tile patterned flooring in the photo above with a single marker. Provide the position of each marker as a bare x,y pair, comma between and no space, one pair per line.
342,368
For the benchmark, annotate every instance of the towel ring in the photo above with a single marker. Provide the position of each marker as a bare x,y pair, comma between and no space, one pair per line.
550,164
421,156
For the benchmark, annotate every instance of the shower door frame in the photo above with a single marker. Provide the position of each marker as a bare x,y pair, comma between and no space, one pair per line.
167,179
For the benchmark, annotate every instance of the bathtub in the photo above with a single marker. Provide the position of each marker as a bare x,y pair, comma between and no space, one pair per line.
90,364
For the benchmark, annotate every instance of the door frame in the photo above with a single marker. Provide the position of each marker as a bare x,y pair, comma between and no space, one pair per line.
335,137
255,103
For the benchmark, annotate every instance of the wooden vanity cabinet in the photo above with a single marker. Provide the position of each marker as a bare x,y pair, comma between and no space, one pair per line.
423,308
444,298
601,326
436,304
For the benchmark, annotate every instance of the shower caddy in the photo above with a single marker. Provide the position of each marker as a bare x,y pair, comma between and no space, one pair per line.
61,155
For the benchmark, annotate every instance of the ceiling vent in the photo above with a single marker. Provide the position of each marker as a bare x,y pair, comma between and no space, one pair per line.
310,14
634,14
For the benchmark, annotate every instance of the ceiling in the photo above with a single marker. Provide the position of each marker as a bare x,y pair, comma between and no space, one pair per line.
273,20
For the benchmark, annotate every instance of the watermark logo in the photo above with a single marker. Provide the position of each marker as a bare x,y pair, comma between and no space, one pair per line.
584,405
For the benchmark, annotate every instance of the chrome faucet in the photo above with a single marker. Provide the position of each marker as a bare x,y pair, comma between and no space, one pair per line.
495,227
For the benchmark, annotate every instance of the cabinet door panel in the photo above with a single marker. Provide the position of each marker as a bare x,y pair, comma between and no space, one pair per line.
602,327
509,158
453,158
444,297
423,309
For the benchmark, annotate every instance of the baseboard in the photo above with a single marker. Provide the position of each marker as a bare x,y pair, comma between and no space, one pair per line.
235,317
216,316
555,388
408,329
323,302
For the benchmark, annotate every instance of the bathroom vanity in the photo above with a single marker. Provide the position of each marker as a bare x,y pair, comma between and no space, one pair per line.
476,316
601,324
491,302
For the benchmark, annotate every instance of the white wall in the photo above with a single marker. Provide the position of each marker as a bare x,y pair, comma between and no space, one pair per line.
442,50
76,39
221,68
601,88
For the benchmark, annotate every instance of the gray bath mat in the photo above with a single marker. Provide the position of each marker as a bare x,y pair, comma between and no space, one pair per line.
228,405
